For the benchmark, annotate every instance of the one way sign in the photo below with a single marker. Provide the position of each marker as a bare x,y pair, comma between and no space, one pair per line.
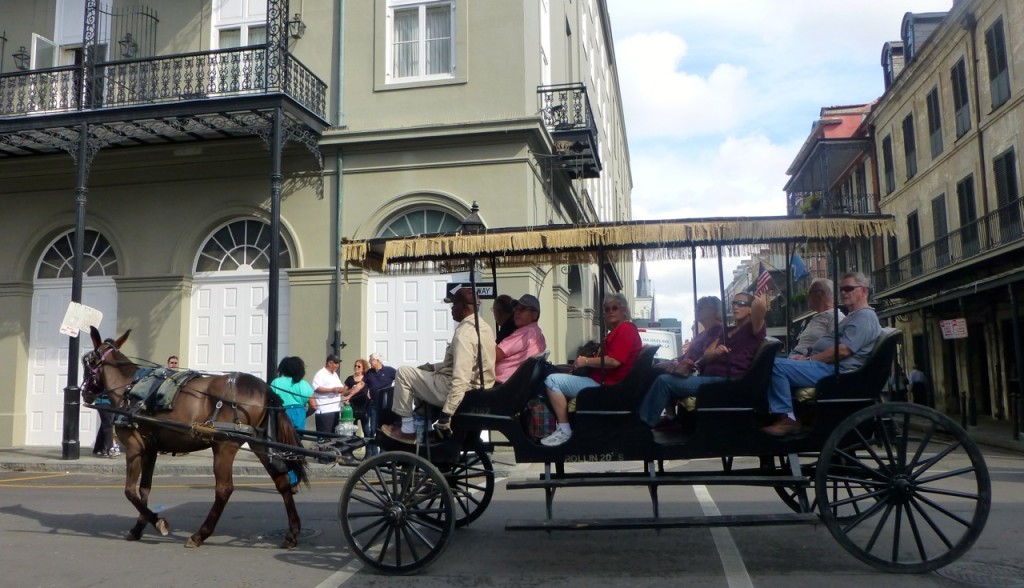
484,290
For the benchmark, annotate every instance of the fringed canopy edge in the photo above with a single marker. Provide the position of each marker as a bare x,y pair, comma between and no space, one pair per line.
574,244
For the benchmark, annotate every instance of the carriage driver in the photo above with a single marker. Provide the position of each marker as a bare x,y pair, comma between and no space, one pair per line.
444,384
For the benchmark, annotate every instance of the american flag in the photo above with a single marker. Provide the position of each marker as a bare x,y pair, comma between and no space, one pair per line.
764,280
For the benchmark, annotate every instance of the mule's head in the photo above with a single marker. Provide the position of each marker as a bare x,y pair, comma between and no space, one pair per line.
104,368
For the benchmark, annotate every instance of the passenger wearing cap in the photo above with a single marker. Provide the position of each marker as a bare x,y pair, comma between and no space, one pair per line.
525,341
445,384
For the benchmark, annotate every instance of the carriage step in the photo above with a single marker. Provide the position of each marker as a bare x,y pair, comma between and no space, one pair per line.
707,480
661,522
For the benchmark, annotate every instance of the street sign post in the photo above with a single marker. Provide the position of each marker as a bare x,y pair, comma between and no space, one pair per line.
484,290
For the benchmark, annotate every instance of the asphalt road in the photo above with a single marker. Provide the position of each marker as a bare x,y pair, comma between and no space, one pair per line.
67,530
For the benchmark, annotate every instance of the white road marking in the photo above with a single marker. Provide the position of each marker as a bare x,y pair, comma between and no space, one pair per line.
341,576
732,562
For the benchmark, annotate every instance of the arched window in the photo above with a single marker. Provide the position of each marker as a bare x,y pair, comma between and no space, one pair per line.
98,257
418,222
240,245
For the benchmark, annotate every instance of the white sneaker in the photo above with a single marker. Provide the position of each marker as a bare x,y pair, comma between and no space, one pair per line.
557,438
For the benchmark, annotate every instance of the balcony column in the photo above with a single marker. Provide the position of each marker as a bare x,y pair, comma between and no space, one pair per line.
276,148
70,446
970,412
1018,357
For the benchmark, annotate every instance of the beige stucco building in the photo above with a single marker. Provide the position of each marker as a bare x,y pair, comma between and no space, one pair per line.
939,151
210,124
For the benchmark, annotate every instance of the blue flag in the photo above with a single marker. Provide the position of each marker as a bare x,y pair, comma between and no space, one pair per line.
799,269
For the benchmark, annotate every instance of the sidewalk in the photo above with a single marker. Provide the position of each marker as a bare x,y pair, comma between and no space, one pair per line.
989,434
200,463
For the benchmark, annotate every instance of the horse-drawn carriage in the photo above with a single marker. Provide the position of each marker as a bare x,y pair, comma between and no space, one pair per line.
901,487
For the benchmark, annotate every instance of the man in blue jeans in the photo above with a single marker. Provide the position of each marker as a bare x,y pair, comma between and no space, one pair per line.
857,335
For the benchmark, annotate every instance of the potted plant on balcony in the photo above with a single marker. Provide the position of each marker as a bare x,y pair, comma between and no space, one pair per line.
811,203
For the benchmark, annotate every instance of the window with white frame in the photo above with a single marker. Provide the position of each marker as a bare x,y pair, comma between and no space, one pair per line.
420,40
239,23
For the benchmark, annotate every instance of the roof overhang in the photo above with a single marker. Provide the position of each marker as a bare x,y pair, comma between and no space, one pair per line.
827,161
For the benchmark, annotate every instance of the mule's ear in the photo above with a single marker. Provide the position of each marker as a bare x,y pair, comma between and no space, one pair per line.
96,339
120,341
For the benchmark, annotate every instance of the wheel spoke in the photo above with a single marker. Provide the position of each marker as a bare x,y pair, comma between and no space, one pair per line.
856,461
917,534
931,523
936,458
898,524
886,511
944,510
923,443
382,523
950,474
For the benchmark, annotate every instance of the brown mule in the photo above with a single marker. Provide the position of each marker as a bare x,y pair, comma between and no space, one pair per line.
247,400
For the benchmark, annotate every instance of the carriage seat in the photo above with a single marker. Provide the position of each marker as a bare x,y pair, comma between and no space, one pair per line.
510,397
745,391
866,380
624,396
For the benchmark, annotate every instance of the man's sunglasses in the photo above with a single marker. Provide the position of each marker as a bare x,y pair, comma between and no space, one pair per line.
848,289
741,303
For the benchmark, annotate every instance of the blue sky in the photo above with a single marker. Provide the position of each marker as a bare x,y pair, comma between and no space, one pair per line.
720,94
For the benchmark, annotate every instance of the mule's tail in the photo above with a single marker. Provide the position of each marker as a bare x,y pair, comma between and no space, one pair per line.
285,433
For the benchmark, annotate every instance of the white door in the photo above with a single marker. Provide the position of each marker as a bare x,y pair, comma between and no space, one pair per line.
409,323
228,330
48,357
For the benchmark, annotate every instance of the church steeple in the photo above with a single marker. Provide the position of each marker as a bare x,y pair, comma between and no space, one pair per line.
643,284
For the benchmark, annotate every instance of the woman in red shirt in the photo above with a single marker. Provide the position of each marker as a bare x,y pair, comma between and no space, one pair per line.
619,352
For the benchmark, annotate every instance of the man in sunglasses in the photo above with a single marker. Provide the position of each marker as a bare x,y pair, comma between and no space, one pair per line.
857,334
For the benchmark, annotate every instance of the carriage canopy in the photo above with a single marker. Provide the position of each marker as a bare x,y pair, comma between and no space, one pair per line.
558,244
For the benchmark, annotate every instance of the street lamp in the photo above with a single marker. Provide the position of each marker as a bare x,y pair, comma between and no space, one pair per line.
296,28
472,223
21,58
129,47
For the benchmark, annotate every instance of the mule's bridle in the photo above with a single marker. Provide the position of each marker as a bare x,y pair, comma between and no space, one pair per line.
92,362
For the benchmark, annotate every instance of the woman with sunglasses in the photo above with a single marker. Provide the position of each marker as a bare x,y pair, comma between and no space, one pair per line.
618,354
726,358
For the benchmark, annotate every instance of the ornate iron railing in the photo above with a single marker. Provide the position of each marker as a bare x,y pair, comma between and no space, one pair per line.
566,107
171,78
832,202
998,229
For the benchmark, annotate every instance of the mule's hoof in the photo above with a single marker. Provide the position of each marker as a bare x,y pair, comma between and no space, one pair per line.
289,543
162,526
192,543
130,536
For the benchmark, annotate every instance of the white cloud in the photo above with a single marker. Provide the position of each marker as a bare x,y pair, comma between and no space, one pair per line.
738,176
662,100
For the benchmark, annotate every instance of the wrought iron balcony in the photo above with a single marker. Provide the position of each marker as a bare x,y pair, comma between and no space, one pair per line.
566,112
999,229
832,202
204,75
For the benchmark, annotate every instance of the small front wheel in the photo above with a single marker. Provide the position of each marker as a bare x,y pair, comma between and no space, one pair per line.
922,489
397,512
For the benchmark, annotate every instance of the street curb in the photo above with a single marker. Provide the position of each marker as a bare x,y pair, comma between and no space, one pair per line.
116,467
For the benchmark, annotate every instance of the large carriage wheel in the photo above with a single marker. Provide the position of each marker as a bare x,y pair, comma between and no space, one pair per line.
397,513
472,483
922,488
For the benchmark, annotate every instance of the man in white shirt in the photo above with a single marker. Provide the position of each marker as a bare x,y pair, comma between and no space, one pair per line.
328,390
445,384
